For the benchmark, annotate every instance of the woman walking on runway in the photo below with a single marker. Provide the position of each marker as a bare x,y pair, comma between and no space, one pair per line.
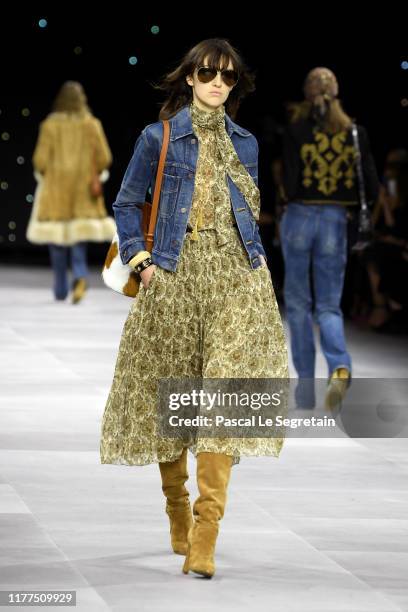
206,307
68,211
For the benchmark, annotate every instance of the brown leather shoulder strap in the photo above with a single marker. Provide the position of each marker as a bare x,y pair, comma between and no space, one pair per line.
158,184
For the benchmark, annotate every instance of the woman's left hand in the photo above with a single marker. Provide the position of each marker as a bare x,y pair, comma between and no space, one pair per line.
147,274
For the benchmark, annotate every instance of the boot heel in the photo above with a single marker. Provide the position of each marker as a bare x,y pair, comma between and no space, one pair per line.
186,565
186,562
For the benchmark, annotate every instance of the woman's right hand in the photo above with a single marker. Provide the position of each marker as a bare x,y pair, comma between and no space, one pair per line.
146,275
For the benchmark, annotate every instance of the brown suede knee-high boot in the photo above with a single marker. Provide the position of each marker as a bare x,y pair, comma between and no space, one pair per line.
213,474
174,475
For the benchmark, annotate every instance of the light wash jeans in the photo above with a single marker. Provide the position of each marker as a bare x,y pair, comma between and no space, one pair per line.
59,255
314,237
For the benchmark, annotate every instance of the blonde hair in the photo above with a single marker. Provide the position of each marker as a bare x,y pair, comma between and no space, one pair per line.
321,89
335,121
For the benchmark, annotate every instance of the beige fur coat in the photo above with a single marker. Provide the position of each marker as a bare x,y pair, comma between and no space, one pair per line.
69,150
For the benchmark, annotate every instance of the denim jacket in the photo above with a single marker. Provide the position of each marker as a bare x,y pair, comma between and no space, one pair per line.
177,191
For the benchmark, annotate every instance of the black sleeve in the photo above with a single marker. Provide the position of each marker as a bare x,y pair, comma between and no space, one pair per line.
291,164
369,168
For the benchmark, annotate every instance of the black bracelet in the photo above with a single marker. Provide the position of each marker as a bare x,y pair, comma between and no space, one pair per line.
143,265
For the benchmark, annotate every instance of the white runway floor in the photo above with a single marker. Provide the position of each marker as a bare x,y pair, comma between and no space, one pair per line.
324,528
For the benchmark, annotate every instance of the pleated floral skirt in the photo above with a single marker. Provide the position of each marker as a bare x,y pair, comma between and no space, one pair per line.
215,317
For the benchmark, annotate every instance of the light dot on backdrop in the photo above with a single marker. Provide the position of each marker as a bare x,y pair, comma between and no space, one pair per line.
12,225
4,185
404,102
12,237
20,160
43,23
29,198
404,65
25,112
5,136
155,29
78,50
133,60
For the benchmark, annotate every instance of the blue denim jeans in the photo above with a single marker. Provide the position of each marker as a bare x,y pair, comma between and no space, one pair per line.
59,260
314,237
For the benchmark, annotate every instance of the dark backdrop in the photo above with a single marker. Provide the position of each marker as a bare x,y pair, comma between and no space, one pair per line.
280,45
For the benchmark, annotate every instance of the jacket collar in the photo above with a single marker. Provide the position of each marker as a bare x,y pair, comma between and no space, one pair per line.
181,125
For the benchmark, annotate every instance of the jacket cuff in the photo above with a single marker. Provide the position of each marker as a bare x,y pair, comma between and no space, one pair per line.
130,248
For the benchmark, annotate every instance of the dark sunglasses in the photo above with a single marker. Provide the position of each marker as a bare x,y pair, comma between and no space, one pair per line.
206,74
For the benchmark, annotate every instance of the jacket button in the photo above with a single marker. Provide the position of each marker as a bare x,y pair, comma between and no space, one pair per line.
183,209
193,141
190,176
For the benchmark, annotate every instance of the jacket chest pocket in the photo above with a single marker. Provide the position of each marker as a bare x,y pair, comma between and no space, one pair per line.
168,197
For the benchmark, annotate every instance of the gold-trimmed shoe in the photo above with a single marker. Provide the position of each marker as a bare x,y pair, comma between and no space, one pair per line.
337,388
79,289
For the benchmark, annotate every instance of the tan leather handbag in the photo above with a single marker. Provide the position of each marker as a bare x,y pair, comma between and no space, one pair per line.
121,277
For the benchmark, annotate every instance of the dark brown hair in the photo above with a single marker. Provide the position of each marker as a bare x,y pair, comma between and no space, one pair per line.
218,52
71,98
